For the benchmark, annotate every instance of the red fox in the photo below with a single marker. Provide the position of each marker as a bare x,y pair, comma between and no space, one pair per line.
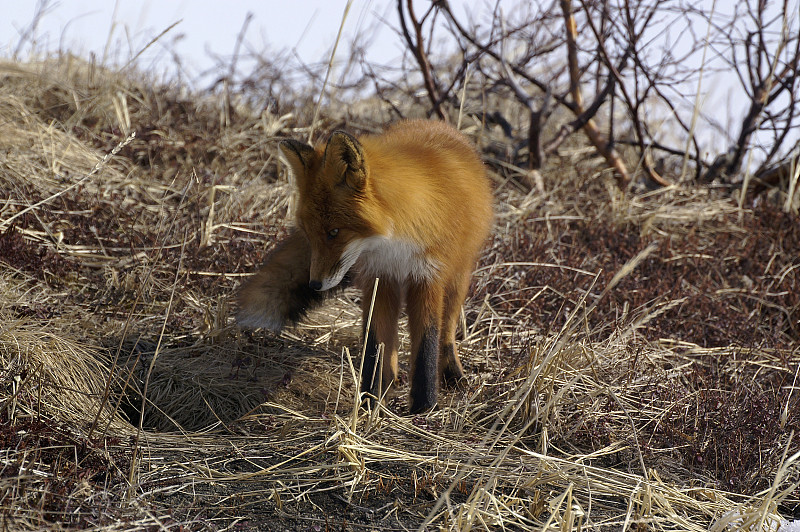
413,207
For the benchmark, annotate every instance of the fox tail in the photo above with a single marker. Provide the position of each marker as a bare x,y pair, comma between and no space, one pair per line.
278,294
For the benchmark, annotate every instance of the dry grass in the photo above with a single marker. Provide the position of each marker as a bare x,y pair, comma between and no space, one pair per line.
632,358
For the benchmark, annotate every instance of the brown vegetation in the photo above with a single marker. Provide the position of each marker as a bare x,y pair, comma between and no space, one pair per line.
632,357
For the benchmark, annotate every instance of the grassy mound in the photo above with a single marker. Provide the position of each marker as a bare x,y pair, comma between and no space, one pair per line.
632,359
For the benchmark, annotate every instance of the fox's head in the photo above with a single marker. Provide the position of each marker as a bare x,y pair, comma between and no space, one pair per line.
334,208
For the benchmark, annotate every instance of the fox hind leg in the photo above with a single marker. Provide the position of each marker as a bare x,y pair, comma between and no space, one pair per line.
424,321
450,369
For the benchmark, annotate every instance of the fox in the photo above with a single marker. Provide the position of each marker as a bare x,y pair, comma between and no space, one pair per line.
411,206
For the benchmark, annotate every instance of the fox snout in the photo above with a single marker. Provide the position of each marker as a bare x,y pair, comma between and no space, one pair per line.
325,269
327,282
322,279
329,268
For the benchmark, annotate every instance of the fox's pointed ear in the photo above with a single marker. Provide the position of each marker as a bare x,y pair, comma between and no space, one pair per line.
344,161
299,156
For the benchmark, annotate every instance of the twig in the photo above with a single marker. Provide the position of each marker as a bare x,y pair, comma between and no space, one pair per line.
99,166
696,110
149,44
537,116
134,461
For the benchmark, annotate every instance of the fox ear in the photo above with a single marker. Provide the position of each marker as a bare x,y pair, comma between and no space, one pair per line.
344,161
299,156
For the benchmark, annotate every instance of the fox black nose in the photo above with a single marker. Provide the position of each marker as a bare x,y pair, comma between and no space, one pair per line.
315,285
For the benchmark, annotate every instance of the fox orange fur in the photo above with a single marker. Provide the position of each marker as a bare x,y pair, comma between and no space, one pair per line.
413,207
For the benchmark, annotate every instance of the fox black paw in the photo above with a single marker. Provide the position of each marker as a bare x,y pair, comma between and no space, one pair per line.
422,404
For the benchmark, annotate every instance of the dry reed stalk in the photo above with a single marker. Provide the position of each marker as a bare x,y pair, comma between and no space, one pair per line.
328,72
697,101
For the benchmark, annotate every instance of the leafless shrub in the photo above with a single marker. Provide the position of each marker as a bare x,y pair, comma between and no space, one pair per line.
633,76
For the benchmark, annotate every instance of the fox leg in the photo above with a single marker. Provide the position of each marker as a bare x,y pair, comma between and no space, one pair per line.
450,368
424,309
382,330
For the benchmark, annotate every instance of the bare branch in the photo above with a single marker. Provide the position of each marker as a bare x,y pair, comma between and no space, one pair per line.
535,152
590,128
768,83
633,107
416,45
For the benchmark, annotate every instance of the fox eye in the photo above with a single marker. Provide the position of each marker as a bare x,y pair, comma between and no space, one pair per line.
332,234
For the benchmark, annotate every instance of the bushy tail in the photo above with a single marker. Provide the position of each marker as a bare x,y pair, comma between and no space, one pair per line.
278,293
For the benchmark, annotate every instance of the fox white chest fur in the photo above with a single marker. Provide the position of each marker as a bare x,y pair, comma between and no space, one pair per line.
394,258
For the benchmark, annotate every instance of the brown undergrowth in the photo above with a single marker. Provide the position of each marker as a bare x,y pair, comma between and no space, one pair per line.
632,357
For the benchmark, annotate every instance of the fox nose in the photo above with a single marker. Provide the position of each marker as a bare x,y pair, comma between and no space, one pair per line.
315,285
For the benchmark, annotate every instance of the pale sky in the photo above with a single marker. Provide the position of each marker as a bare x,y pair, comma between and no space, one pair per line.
204,27
116,30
